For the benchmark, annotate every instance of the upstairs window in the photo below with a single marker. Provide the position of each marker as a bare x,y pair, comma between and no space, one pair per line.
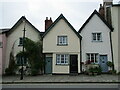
20,41
97,37
1,44
62,40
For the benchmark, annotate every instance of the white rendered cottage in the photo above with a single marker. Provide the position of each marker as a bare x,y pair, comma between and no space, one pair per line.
15,37
96,41
61,46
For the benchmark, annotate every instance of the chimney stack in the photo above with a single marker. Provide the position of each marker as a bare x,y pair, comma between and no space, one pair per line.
107,4
101,11
48,22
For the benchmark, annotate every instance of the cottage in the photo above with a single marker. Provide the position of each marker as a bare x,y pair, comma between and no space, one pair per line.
96,42
15,39
61,46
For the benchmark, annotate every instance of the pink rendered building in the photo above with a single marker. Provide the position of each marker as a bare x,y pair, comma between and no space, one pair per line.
2,49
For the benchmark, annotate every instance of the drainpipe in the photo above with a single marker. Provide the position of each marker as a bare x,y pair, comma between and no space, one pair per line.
111,50
80,56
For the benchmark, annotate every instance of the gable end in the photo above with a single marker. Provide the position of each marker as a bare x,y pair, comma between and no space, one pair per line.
104,21
56,21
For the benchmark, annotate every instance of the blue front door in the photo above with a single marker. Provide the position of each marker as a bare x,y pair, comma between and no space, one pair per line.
103,63
48,65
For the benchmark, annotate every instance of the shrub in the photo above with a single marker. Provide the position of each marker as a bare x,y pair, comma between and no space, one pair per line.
112,71
34,72
94,70
8,71
109,63
12,66
118,73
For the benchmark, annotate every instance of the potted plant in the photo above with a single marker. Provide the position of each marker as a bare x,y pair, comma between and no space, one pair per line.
110,64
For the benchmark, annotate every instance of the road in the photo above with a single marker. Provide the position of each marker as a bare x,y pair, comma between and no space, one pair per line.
61,85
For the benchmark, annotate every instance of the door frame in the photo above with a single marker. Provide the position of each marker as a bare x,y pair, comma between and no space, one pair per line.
70,63
45,65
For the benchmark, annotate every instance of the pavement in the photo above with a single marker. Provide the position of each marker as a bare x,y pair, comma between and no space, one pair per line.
104,78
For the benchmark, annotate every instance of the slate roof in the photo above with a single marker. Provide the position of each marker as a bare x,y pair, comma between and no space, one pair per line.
5,30
104,21
56,21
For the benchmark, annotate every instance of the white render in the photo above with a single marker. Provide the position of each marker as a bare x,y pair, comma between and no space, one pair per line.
50,45
115,35
107,0
13,39
95,25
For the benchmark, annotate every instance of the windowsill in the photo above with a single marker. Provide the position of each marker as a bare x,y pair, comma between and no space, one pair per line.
21,65
62,44
97,41
62,64
20,45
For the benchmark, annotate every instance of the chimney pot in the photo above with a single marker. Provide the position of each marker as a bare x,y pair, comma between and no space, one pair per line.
50,18
46,18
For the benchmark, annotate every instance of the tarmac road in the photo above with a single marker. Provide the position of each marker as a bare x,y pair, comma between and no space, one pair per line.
62,85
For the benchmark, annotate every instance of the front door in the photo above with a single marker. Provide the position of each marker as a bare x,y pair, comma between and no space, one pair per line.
103,63
48,65
73,63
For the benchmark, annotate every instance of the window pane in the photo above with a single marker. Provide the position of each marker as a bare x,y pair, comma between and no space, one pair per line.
88,56
60,40
96,58
92,57
21,41
66,59
98,36
58,59
62,58
94,36
63,40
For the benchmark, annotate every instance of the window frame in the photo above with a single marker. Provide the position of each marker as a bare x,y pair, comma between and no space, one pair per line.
62,40
95,56
20,59
96,35
20,40
66,59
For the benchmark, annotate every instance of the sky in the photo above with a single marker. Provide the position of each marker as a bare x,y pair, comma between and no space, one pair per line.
36,11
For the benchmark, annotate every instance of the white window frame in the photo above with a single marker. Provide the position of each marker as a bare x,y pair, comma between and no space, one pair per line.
97,57
62,40
1,44
96,35
59,59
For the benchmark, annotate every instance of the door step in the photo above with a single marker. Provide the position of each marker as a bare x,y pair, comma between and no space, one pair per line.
73,74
